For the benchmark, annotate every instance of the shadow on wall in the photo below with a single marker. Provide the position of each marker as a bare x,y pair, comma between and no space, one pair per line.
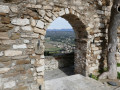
65,62
80,42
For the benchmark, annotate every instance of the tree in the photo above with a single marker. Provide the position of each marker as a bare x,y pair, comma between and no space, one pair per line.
112,42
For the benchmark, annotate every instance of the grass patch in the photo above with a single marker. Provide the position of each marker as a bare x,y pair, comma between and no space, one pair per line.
118,64
93,76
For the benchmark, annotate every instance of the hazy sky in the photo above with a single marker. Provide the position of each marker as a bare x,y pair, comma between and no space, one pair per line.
60,23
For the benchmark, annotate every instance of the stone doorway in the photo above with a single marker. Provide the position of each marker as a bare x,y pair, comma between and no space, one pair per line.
59,51
79,55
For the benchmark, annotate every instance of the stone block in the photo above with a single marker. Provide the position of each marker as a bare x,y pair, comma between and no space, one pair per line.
66,10
21,22
40,68
1,53
41,12
4,35
33,22
40,31
12,52
19,68
16,29
20,57
15,36
9,84
47,7
27,28
40,81
26,41
21,46
40,24
8,42
61,13
14,8
33,14
4,9
4,59
4,47
4,70
19,62
5,20
34,6
30,36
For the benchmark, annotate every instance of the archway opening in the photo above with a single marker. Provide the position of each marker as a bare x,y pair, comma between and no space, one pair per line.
59,51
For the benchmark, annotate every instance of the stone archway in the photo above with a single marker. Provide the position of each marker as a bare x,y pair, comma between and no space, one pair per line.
80,41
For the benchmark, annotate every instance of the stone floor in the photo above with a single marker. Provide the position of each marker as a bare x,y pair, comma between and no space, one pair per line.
58,73
76,82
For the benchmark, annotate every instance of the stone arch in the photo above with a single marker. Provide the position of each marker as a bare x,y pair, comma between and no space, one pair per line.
81,36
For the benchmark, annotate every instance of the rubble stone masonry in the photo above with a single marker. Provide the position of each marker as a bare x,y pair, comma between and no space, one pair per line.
23,25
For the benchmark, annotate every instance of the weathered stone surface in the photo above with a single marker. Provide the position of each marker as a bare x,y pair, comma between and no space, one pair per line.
32,1
14,8
19,62
1,53
75,82
13,52
5,27
4,70
34,6
20,57
4,47
33,22
5,20
32,14
30,36
19,21
15,36
26,41
9,84
47,7
22,46
40,24
37,30
4,59
4,35
61,12
27,28
40,68
8,42
2,14
4,9
40,81
66,10
41,12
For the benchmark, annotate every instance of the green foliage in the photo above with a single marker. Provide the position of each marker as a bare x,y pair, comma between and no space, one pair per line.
103,70
118,75
118,64
93,76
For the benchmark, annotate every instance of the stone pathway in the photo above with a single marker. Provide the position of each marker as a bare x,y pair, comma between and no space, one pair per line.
76,82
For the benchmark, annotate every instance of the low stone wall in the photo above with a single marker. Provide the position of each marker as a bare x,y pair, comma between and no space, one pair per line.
59,61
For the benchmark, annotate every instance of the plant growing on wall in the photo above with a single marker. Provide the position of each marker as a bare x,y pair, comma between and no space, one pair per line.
112,42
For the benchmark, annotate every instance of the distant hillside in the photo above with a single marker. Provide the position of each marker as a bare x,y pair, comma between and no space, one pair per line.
60,30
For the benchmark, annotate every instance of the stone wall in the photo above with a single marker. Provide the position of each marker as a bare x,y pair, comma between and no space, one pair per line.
59,61
23,25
